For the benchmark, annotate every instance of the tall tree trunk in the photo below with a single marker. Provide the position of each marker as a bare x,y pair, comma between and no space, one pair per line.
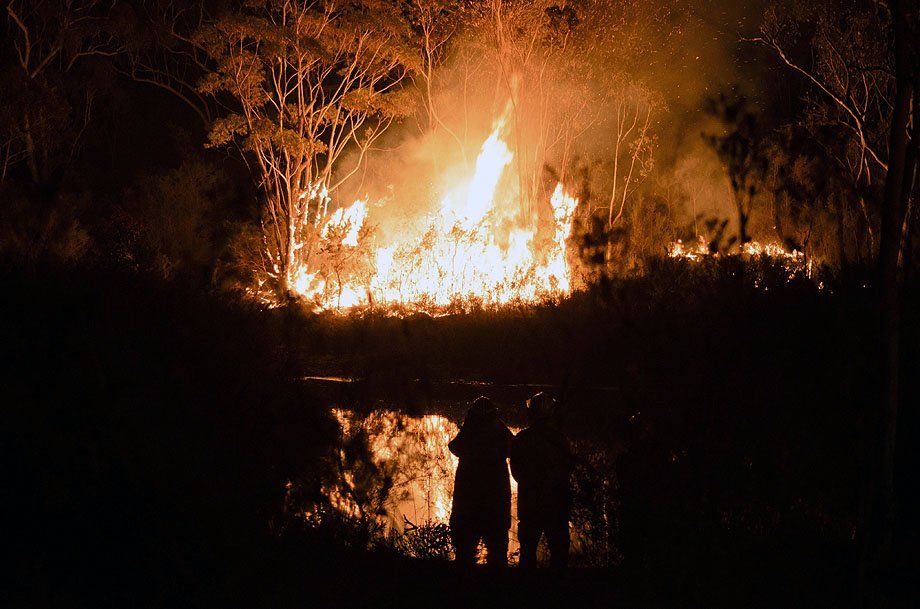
870,233
31,153
841,214
911,174
878,499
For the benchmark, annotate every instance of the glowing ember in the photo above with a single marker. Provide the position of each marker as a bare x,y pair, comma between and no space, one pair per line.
793,261
474,246
694,251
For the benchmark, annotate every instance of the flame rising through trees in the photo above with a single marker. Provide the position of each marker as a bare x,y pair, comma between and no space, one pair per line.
472,247
478,245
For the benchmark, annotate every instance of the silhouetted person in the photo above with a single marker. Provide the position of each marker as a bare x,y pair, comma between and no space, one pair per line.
541,462
482,489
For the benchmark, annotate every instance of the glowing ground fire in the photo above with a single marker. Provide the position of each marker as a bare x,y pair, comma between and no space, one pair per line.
795,262
475,245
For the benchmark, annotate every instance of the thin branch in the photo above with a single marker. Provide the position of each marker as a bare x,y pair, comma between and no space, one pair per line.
826,90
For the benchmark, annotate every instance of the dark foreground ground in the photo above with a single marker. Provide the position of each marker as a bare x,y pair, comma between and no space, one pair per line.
158,443
765,580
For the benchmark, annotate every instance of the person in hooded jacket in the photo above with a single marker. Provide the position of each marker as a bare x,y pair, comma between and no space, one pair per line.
481,506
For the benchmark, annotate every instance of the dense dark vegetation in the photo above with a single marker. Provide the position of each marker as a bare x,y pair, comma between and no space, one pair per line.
759,394
152,429
149,432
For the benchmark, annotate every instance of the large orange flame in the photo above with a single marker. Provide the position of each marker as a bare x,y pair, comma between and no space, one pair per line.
469,247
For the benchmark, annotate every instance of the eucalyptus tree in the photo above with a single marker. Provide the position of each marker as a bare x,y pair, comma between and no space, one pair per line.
308,88
850,84
863,78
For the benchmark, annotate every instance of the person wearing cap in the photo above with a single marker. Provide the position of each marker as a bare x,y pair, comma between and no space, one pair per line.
542,464
481,506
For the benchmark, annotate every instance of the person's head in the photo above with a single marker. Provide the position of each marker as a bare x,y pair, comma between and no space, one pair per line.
482,410
541,409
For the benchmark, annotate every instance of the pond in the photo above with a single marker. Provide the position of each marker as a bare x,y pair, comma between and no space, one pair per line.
395,469
411,452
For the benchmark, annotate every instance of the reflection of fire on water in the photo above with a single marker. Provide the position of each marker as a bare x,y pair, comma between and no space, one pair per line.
414,452
476,244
